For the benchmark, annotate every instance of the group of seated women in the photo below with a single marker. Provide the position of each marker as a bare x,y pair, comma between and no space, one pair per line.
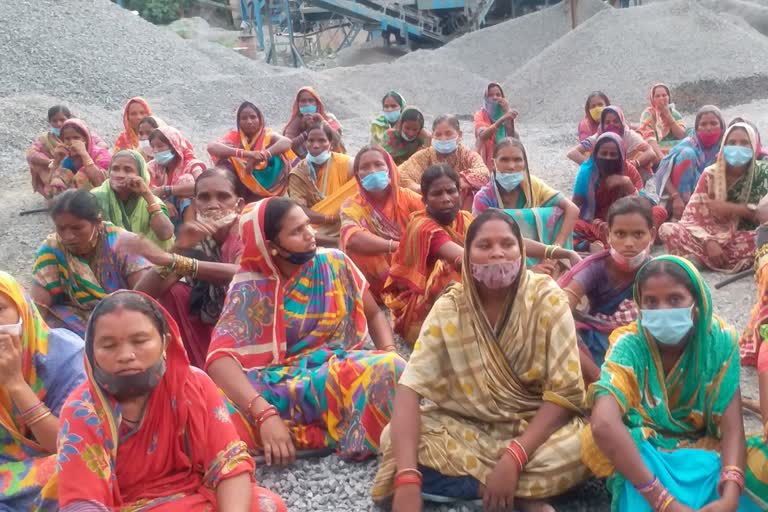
194,316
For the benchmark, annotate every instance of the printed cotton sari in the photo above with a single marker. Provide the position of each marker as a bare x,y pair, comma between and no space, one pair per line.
299,341
380,125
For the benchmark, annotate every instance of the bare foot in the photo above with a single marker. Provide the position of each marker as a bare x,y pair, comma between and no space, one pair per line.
534,506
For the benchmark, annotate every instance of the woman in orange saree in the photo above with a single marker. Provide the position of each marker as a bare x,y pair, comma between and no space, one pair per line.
308,110
135,110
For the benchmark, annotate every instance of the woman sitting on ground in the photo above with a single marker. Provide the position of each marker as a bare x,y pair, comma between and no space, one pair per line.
498,364
173,169
80,263
321,183
135,110
126,199
39,367
407,136
255,153
191,280
605,280
287,350
638,152
593,108
146,430
78,162
679,171
447,149
666,441
392,106
661,125
716,230
307,111
146,127
603,179
374,220
494,122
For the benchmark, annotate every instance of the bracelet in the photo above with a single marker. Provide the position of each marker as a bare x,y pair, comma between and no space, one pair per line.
390,247
251,402
407,480
663,495
731,474
32,409
154,208
649,487
667,503
548,251
183,266
264,415
409,470
515,456
39,418
239,153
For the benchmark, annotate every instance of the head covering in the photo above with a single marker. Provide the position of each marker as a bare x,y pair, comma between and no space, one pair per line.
295,113
185,170
719,168
129,138
588,178
492,108
526,186
652,123
613,109
394,143
99,154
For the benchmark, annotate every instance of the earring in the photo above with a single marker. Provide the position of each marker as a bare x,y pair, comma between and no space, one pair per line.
274,252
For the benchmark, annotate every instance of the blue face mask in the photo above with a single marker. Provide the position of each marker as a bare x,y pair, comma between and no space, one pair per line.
319,159
668,326
55,131
509,181
164,157
308,109
392,116
445,147
376,181
737,156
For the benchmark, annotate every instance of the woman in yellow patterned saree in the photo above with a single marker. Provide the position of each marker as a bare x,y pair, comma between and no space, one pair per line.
498,365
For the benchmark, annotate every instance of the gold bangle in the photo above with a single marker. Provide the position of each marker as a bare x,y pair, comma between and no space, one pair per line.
666,504
40,417
154,208
183,266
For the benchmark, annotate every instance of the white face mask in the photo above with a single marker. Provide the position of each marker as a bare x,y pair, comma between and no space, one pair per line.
145,147
12,329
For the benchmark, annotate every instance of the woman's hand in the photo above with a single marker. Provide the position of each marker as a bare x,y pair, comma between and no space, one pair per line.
172,211
192,233
77,148
134,244
615,181
277,442
407,499
255,156
678,207
546,267
714,252
501,484
721,505
573,257
137,186
60,152
57,186
721,210
10,361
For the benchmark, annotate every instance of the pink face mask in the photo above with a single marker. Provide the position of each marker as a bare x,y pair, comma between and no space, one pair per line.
496,275
630,264
617,129
709,139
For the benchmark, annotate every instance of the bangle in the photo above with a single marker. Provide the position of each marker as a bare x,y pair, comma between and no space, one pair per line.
663,495
390,247
154,208
409,470
457,260
88,163
390,348
407,480
183,266
39,417
514,455
32,409
649,487
239,153
265,415
251,402
731,474
667,503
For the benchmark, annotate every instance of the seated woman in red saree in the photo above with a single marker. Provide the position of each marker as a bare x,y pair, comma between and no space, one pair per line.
147,431
374,220
259,157
309,110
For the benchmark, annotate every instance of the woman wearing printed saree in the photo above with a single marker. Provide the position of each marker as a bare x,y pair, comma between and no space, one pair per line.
603,179
392,106
498,364
667,442
126,199
594,106
374,220
679,171
447,149
308,110
717,227
39,367
78,162
321,183
135,110
146,127
661,125
146,431
494,122
287,350
605,279
407,136
80,263
255,154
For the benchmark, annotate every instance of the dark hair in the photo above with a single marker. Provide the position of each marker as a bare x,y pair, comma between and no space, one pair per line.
59,109
711,109
80,203
396,95
631,204
151,121
326,129
657,267
747,122
596,94
219,172
412,114
157,134
274,212
132,301
601,141
510,142
244,105
488,215
653,91
365,149
451,119
434,172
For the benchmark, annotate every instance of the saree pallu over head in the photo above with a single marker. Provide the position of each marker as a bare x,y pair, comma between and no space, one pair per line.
653,125
633,141
253,327
185,443
129,138
73,176
484,118
187,169
293,127
380,125
677,410
588,179
394,143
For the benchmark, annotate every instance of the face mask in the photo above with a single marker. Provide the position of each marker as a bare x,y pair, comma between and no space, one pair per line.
308,109
442,217
595,112
491,106
617,129
216,218
146,147
509,181
407,138
12,329
608,167
629,264
709,139
55,131
668,326
123,387
392,116
164,157
376,181
496,275
737,156
300,258
319,159
445,147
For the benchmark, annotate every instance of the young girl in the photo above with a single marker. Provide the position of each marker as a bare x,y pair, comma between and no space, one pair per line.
605,279
407,136
594,106
392,106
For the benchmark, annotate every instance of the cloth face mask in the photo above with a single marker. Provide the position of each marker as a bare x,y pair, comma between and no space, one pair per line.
308,109
445,147
496,275
391,116
164,157
376,181
737,156
55,131
130,386
629,264
595,113
319,159
509,181
709,139
12,329
668,326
